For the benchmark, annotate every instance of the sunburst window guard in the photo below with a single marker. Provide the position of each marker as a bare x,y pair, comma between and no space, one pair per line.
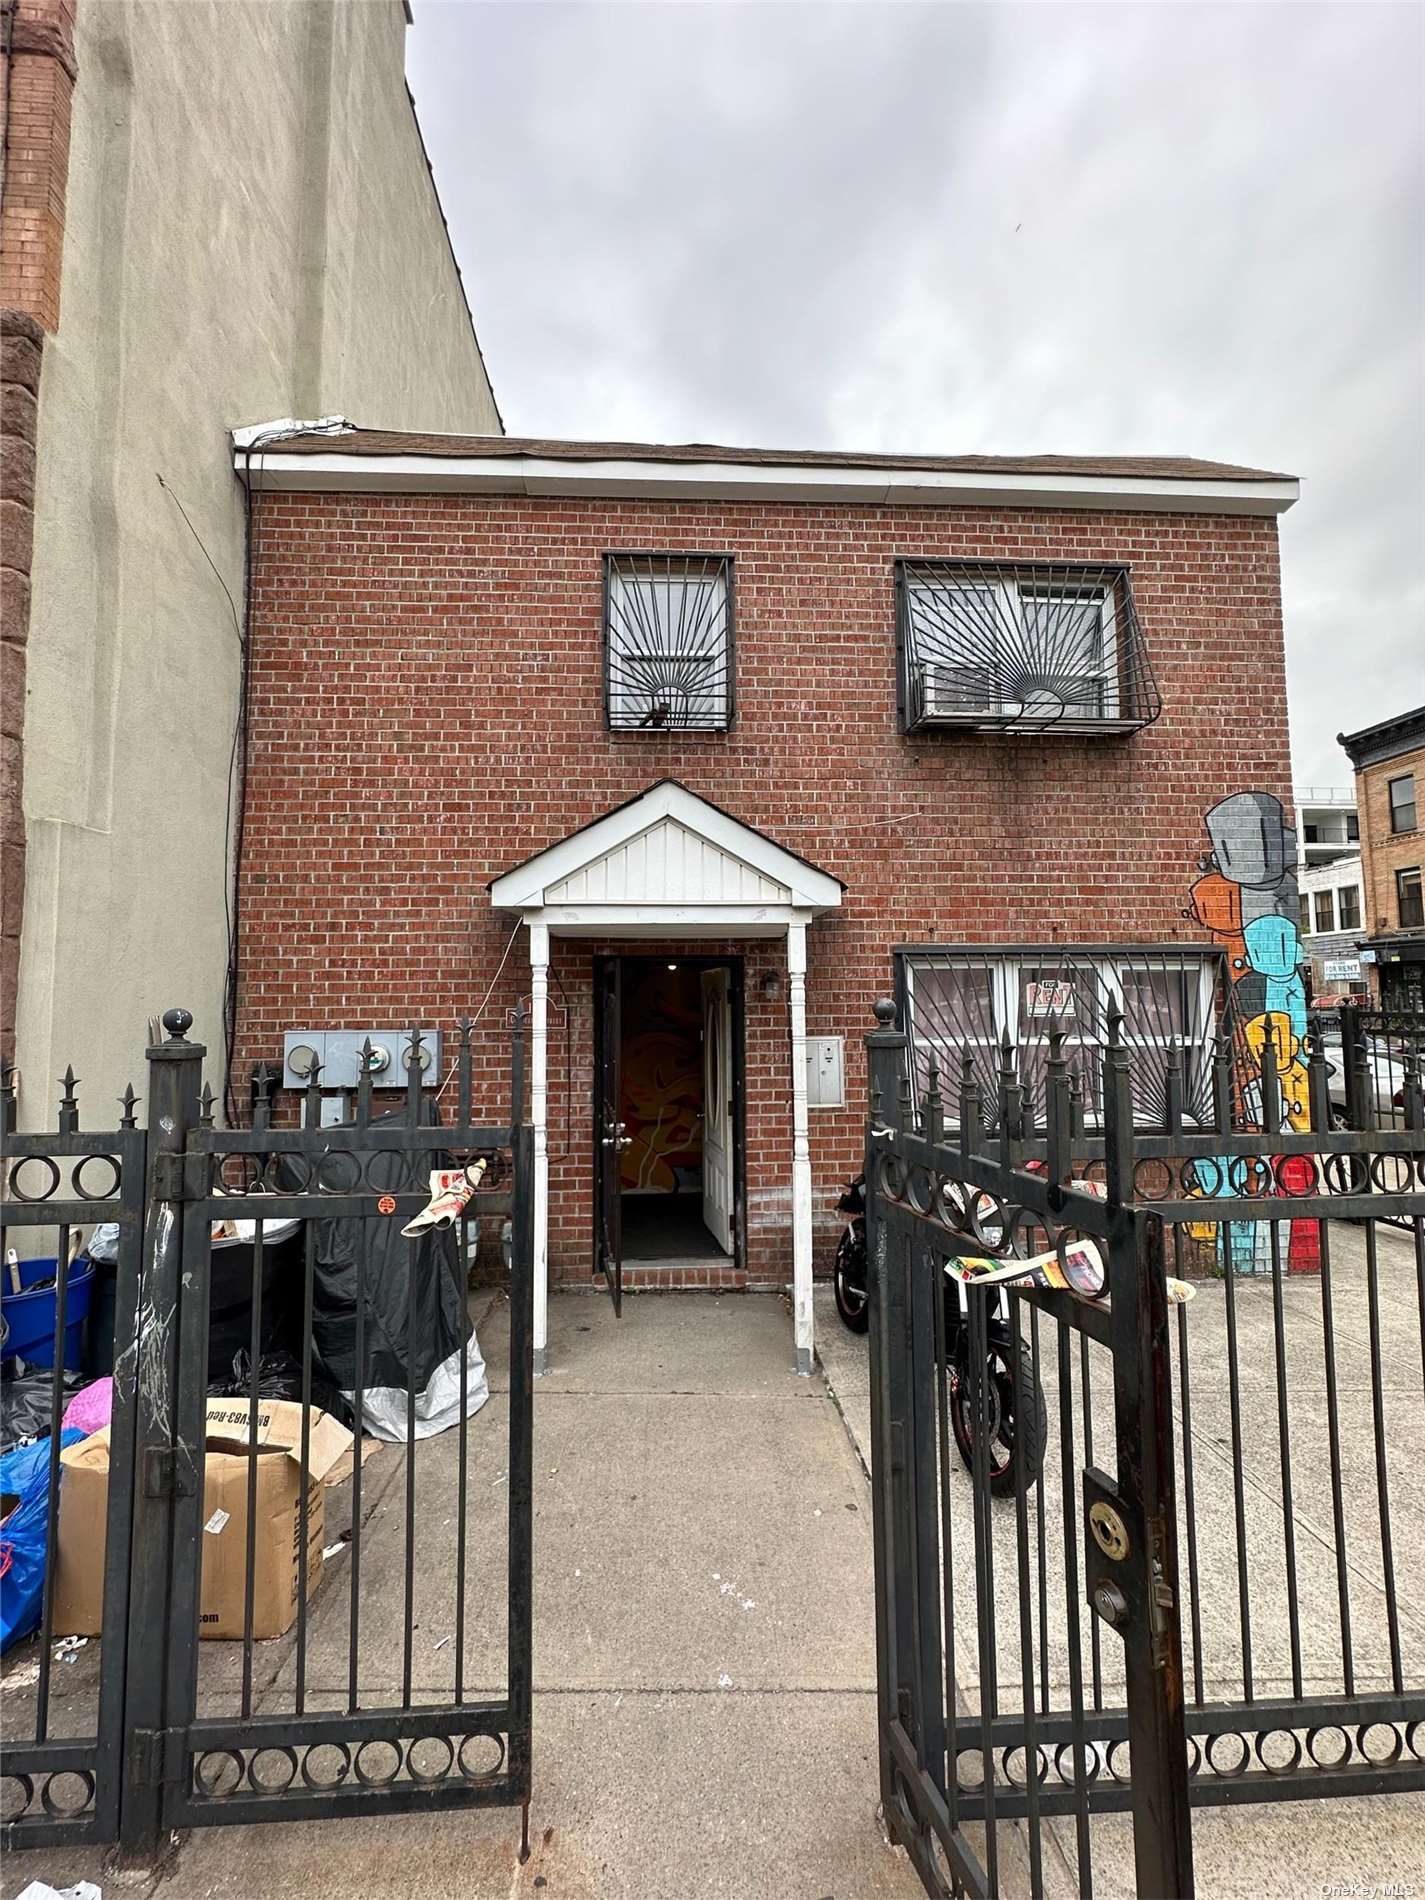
668,641
1028,647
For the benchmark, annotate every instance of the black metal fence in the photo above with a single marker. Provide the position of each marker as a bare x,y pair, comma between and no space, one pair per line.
150,1729
1196,1598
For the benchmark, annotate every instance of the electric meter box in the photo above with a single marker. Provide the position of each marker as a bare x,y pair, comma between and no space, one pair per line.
826,1086
339,1052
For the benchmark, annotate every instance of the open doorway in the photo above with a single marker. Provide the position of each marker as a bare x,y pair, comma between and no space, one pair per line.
671,1059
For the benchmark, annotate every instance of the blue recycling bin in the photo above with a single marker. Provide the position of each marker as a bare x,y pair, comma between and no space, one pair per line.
29,1314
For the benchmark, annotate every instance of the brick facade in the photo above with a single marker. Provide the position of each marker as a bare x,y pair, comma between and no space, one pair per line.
427,710
37,74
1384,852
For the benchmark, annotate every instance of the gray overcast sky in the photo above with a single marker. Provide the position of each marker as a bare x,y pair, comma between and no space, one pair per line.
1158,228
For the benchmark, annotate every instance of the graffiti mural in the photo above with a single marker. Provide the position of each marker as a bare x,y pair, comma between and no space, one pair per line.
1247,899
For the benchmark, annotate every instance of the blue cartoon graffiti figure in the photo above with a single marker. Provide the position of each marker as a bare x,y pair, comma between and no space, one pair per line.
1251,874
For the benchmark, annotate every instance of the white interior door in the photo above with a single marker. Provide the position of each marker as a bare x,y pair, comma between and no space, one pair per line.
717,1107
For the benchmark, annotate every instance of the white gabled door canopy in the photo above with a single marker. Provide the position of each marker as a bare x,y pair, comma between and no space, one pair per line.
667,863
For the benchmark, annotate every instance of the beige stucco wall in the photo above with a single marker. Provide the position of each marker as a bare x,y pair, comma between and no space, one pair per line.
252,232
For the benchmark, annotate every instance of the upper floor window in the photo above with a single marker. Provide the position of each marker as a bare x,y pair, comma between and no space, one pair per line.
1409,904
1402,803
1325,912
1348,907
1353,827
1305,901
1021,649
668,641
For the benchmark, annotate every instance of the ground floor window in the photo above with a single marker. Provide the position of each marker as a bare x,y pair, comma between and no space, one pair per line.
974,999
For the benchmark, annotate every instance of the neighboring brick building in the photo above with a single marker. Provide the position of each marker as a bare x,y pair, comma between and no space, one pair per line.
1389,759
801,733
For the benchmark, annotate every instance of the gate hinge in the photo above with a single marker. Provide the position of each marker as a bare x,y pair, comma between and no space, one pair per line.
179,1176
165,1475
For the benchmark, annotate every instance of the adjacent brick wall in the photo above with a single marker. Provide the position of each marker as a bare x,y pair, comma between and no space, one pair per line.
1384,852
21,340
427,711
38,90
37,73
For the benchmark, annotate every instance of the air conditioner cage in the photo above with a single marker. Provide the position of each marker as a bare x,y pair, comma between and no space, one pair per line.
1026,647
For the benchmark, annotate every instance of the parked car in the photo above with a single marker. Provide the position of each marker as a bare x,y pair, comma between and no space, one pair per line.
1385,1072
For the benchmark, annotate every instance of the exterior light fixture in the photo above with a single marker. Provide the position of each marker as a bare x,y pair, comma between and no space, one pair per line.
771,985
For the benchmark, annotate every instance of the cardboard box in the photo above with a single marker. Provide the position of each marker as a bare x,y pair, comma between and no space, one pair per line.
277,1556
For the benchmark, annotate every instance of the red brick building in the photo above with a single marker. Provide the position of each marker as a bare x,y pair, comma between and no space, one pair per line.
726,736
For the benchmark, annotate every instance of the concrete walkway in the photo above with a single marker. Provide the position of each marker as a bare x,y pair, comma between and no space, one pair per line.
705,1717
704,1657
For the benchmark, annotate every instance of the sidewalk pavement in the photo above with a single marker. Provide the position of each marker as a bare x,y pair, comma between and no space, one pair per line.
705,1719
705,1712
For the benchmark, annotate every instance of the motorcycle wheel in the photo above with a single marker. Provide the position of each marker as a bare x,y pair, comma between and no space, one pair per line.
1016,1412
849,1281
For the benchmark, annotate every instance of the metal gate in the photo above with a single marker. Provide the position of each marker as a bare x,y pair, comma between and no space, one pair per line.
1378,1048
187,1733
1140,1624
59,1781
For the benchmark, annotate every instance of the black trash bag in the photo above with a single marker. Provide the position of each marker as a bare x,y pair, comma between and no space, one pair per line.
230,1295
415,1315
279,1376
27,1400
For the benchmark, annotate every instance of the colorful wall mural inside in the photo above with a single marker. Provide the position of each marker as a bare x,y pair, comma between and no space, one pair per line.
1247,899
661,1097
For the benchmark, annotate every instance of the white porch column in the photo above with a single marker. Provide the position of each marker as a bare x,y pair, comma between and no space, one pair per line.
801,1146
539,1116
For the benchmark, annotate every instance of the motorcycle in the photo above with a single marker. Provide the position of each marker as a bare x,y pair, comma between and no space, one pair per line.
1014,1398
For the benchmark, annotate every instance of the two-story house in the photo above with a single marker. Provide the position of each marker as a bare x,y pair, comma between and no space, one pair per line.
698,751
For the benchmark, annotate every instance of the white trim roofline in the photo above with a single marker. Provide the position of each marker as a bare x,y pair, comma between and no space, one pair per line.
523,888
537,475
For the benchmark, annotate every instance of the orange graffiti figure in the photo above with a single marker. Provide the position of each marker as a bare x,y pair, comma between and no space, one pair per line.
1217,906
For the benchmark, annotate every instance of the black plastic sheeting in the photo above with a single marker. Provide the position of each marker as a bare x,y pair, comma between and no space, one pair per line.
279,1376
415,1311
27,1399
230,1288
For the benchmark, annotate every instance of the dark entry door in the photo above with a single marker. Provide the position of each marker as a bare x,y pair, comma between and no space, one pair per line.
609,1138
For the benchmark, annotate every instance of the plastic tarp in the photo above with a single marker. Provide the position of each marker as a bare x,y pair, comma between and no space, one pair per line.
27,1401
24,1536
415,1322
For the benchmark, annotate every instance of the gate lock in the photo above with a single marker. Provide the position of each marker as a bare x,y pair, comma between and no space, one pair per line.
1111,1604
1109,1530
1110,1578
